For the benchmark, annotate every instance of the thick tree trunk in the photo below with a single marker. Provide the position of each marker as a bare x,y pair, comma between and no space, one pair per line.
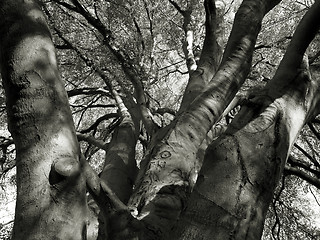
242,167
120,166
51,194
172,167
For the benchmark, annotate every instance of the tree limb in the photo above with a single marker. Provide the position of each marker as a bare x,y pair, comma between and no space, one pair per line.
314,161
99,190
99,120
296,163
209,59
177,7
87,91
297,172
92,140
303,35
313,130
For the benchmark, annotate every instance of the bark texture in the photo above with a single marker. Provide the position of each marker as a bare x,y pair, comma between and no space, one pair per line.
209,59
51,194
172,168
243,166
120,167
227,199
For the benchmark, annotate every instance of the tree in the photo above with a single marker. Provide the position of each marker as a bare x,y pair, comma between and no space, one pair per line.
42,127
190,183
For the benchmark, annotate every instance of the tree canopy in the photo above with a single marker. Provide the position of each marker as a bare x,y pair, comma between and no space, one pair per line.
160,94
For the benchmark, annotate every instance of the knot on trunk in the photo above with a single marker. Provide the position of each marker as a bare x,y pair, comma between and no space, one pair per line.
64,168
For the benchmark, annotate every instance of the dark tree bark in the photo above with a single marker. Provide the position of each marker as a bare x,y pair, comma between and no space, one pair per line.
243,166
51,190
173,165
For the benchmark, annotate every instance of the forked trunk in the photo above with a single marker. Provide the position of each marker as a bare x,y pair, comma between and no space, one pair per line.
243,166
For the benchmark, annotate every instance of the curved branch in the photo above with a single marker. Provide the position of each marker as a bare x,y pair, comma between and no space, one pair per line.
314,130
99,190
174,158
299,173
296,163
177,7
66,5
314,161
314,196
94,21
303,35
99,120
92,140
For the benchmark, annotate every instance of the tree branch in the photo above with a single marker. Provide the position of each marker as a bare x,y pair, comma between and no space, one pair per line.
99,120
313,58
92,140
209,59
99,190
314,161
87,91
188,32
303,35
296,163
66,5
261,46
313,130
176,6
299,173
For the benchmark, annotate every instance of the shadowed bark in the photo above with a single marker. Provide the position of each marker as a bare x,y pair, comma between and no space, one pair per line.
172,167
51,193
175,197
209,59
120,167
243,166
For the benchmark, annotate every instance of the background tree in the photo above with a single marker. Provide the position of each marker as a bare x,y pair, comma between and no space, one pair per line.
120,63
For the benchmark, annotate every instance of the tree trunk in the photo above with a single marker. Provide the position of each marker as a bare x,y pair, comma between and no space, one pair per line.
51,193
243,166
173,165
120,166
